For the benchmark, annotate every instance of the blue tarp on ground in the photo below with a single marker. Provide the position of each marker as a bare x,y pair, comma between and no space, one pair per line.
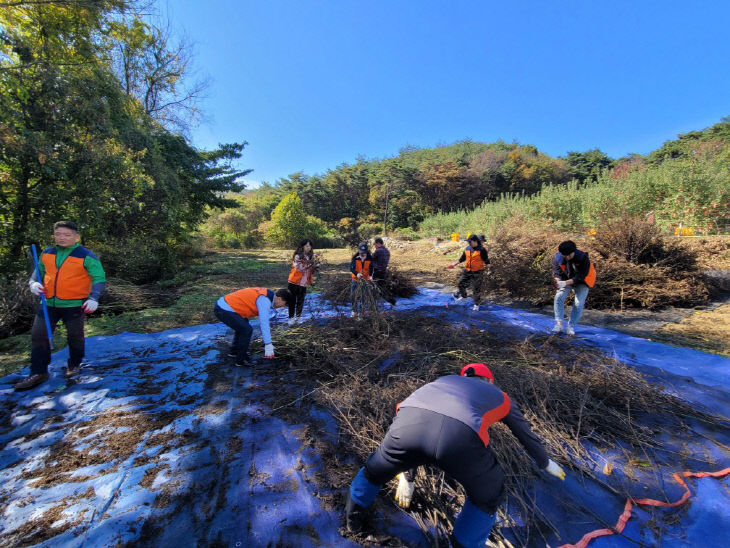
202,455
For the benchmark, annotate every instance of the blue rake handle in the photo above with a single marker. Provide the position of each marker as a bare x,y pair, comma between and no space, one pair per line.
43,299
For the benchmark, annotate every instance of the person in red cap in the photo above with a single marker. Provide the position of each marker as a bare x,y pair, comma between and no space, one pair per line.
446,423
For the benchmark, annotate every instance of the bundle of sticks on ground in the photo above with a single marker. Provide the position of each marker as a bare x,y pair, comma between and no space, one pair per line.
336,287
636,265
570,396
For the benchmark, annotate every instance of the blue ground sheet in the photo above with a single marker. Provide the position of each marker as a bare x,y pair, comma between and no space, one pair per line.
193,445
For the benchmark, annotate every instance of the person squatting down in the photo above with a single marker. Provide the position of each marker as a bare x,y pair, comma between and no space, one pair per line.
572,269
235,309
381,258
477,262
361,269
72,282
446,423
302,271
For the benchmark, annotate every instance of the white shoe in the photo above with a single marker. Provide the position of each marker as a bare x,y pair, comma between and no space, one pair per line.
458,298
557,328
353,314
291,321
475,308
569,330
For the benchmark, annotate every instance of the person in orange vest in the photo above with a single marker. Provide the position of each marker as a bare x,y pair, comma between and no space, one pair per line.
446,423
71,278
572,269
235,309
361,269
302,270
477,263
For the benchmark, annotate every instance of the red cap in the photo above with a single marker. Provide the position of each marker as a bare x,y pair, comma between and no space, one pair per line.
477,370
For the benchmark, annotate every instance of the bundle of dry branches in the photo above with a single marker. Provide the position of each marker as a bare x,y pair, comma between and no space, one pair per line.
570,396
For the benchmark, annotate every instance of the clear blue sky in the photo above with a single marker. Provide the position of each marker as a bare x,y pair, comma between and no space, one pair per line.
313,84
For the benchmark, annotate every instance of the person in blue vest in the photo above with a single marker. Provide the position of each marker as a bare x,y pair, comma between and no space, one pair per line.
72,279
446,423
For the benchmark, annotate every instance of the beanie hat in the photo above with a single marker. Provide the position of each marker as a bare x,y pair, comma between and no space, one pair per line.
567,247
477,370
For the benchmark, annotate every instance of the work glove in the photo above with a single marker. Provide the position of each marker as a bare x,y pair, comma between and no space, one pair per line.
359,275
269,351
450,266
554,469
90,305
36,288
561,284
404,493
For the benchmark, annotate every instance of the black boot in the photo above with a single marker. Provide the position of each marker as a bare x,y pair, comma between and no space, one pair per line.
455,543
354,515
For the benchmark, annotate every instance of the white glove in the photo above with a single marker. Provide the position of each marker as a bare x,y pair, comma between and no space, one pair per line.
404,493
268,351
36,288
359,274
554,469
90,305
562,284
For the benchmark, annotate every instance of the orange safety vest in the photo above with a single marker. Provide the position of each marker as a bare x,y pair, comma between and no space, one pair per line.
362,266
69,281
474,261
243,301
590,279
296,275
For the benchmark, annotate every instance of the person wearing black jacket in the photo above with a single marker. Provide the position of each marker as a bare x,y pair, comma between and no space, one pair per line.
572,269
381,258
446,423
476,264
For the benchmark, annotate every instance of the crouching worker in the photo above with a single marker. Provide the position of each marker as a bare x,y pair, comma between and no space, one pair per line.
235,309
572,269
446,423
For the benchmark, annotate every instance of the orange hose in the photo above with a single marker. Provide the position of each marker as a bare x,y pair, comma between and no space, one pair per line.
626,515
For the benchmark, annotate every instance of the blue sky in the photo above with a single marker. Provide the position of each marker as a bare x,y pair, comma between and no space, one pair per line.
313,84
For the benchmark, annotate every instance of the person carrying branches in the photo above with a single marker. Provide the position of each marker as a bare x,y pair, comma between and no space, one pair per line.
237,308
446,423
572,269
300,277
72,279
361,269
476,261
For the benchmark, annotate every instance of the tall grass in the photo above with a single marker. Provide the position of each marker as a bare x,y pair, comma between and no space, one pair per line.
694,192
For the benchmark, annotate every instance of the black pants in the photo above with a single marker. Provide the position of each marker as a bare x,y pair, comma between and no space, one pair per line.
419,437
40,348
379,279
297,304
241,331
475,279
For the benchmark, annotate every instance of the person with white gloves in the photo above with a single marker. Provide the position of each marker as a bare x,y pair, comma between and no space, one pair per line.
572,270
235,309
446,423
71,278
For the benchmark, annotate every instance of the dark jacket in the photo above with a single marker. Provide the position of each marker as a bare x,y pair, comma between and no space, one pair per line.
575,269
477,404
381,258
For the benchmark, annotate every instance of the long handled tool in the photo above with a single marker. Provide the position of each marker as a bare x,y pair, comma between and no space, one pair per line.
43,298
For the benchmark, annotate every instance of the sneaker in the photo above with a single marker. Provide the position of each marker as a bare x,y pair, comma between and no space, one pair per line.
31,381
73,371
353,314
291,321
569,330
458,298
475,308
557,328
232,353
246,362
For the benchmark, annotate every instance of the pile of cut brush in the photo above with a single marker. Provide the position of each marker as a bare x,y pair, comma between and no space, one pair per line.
570,396
336,287
636,265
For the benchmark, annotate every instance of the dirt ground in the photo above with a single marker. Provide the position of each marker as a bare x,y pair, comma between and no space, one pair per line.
706,328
